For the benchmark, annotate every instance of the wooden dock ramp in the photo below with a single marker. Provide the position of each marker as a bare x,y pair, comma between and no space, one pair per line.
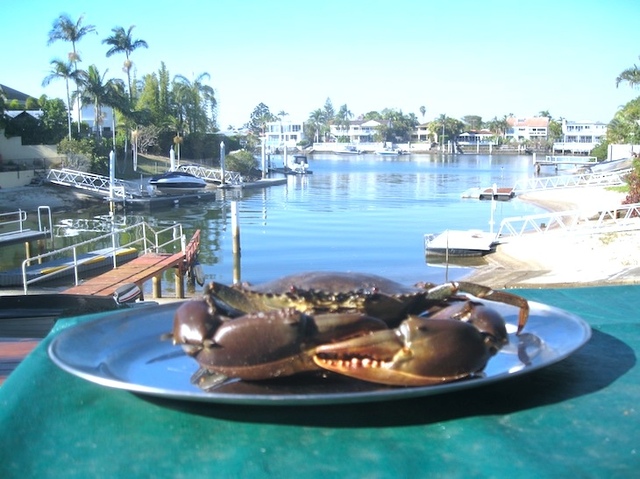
140,270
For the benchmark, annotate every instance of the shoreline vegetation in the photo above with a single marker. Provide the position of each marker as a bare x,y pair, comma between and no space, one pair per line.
558,260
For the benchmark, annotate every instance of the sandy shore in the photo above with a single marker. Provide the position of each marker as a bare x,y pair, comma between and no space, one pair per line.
556,259
28,198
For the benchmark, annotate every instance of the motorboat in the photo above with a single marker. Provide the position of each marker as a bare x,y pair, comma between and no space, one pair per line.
348,150
177,183
388,152
295,165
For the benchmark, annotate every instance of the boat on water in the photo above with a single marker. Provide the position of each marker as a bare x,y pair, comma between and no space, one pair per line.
388,152
177,183
295,165
467,243
348,150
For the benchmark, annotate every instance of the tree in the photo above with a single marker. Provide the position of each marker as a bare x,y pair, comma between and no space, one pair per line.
193,99
329,111
630,75
66,71
99,92
423,110
66,30
53,120
624,127
342,120
473,122
259,119
121,42
315,124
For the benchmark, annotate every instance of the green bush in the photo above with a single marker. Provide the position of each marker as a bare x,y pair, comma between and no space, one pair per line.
242,162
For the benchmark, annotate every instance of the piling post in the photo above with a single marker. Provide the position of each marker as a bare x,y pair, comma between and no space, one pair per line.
235,234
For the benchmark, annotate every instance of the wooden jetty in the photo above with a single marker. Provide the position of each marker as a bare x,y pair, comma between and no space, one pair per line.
140,270
498,194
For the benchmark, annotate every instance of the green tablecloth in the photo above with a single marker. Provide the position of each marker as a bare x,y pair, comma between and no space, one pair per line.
578,418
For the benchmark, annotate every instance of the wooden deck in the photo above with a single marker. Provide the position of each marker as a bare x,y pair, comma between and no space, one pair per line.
148,266
140,270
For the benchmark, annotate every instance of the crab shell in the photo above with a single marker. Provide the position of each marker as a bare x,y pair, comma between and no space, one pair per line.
336,292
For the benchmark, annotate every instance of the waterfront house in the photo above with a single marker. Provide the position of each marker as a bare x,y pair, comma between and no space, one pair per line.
531,129
474,137
281,133
358,131
580,137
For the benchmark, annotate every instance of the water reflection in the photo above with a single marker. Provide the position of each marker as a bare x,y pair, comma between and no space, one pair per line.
361,214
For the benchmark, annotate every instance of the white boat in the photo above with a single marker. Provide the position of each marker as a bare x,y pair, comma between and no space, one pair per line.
388,152
460,243
348,150
177,183
294,165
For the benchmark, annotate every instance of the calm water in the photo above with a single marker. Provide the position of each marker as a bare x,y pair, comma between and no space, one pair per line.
355,213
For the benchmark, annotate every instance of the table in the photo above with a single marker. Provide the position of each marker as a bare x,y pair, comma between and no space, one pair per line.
577,418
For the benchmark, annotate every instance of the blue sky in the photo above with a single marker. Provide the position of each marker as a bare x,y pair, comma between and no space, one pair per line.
455,58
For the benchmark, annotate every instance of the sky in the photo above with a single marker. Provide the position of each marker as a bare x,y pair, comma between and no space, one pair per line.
454,57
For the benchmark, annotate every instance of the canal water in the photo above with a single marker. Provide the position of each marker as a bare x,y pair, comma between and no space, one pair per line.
362,213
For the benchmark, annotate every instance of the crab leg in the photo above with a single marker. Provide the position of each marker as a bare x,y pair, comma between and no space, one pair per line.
484,292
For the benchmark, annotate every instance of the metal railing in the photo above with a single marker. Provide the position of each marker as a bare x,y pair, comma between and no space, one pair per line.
146,238
212,175
19,217
613,178
610,219
88,181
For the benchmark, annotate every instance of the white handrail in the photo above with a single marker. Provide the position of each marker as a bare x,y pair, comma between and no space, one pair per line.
567,181
114,237
616,218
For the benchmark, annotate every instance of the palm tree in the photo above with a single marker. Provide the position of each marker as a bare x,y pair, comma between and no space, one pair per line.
193,98
121,42
95,90
343,118
317,119
64,70
66,30
423,110
630,75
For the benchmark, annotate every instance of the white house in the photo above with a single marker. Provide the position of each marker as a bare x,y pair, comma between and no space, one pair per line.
473,137
359,131
521,129
105,122
283,133
580,136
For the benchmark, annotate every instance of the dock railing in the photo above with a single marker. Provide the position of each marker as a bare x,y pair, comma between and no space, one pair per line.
613,178
89,182
16,220
610,219
146,240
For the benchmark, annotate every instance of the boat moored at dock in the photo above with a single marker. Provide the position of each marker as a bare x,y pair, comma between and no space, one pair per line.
177,182
460,243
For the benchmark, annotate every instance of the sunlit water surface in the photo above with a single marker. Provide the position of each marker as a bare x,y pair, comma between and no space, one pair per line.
354,213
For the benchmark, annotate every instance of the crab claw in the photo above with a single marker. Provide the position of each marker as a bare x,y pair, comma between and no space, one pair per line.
193,322
276,343
420,352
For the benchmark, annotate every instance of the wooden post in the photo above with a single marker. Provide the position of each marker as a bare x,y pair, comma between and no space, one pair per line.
156,283
179,279
235,233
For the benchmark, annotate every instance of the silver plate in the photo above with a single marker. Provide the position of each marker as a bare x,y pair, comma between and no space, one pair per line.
126,351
